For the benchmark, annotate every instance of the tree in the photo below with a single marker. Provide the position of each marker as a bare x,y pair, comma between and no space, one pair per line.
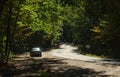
8,23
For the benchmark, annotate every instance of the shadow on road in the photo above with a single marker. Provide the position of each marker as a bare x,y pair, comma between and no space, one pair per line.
46,67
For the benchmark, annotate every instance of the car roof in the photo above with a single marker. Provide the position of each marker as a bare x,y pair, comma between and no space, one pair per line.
36,49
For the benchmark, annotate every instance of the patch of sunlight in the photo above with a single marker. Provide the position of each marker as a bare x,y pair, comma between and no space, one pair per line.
96,29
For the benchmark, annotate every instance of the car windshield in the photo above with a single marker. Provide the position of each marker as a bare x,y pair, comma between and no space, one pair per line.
36,49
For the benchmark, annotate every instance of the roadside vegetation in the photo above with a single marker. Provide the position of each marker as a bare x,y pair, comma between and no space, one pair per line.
93,25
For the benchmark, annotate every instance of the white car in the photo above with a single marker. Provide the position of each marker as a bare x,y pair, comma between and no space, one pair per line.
35,51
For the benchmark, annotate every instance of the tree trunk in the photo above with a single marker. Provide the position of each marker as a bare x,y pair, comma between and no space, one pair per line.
7,48
2,3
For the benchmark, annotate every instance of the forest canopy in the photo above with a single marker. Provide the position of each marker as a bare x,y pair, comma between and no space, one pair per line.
93,25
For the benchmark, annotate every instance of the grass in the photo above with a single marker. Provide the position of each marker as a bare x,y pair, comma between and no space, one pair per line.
93,55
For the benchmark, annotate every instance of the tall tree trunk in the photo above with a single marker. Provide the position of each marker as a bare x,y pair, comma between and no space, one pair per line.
7,48
2,3
15,24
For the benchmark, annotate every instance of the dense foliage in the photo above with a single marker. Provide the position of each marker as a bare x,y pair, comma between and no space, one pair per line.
91,24
94,26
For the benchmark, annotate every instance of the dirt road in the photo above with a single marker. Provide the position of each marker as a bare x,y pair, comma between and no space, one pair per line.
109,66
52,66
